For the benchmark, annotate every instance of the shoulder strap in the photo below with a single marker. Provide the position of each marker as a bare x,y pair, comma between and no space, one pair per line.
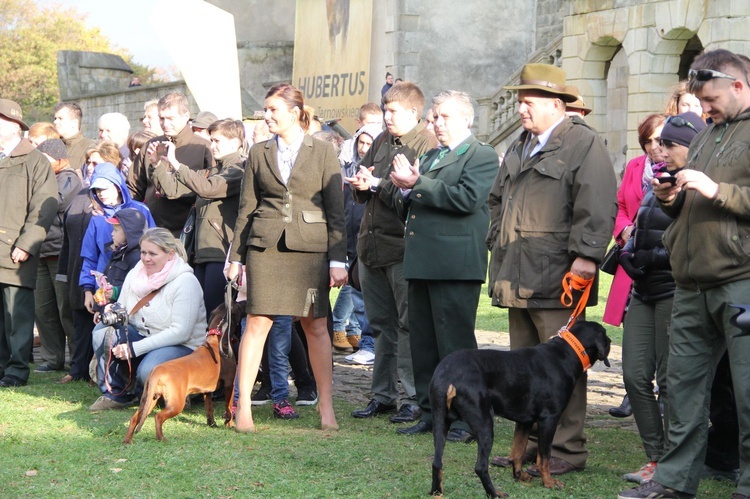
143,301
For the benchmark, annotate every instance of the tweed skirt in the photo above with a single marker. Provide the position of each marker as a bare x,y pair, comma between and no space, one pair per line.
285,282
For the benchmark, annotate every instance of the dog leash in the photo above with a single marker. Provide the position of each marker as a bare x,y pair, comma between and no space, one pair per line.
229,293
570,283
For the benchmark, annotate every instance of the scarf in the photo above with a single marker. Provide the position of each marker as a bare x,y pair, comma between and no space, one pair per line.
143,283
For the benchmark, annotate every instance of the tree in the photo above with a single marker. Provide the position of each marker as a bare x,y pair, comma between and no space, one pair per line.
30,37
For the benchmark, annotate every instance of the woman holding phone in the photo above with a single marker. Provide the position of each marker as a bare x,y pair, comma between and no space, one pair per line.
645,338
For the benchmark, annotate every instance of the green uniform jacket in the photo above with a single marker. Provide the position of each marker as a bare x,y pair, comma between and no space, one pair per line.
448,217
28,190
559,206
709,240
216,206
381,235
308,210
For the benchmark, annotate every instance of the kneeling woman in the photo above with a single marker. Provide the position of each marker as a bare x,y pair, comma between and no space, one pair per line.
166,315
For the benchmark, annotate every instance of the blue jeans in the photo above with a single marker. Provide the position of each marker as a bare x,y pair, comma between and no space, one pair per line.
351,306
118,373
279,346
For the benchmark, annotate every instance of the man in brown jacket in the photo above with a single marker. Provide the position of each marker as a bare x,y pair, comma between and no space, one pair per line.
380,249
67,121
29,192
190,150
552,210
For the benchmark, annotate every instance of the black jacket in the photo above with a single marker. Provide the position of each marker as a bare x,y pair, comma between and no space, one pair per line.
649,253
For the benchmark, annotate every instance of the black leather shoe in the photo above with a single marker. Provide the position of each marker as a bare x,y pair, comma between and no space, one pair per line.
10,381
421,427
406,414
373,408
459,435
623,411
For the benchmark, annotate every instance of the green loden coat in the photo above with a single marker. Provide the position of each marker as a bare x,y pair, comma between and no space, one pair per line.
558,206
28,190
447,214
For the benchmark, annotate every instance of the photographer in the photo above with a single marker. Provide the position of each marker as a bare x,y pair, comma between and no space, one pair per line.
159,316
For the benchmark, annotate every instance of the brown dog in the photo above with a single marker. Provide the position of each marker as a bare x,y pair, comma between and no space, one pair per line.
199,372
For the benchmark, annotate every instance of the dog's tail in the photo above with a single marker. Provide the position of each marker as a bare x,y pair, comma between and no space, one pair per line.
151,394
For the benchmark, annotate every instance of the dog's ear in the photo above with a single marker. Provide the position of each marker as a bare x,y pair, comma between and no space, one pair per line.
602,343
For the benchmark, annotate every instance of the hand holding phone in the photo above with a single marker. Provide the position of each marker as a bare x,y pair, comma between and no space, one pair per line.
667,179
161,149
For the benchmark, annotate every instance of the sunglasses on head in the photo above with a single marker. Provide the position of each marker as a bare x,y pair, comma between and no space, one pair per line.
707,74
679,121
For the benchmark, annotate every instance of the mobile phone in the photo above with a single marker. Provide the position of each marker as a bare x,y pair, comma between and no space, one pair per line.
161,149
670,179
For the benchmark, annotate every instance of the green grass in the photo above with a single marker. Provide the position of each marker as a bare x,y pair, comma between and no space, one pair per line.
53,447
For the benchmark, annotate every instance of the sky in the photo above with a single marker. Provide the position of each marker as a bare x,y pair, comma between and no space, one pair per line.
126,24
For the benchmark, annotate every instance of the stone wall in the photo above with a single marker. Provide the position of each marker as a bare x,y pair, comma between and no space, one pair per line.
654,36
127,101
81,73
471,48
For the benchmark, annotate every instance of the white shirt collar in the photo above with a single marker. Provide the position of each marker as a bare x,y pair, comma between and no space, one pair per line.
544,136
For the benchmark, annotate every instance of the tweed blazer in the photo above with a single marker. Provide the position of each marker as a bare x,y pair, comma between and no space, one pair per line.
308,210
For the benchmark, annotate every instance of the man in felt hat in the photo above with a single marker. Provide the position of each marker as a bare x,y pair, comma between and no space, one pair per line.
552,210
577,107
29,193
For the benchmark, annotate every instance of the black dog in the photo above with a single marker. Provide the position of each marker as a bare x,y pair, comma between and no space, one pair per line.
528,385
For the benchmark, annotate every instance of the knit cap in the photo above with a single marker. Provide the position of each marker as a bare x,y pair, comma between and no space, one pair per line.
683,128
55,148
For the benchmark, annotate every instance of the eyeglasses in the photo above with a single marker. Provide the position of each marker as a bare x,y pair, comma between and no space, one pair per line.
707,74
679,121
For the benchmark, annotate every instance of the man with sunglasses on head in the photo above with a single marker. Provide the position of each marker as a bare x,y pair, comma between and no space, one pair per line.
709,249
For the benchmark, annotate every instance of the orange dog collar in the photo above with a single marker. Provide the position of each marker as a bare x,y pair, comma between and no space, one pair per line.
576,346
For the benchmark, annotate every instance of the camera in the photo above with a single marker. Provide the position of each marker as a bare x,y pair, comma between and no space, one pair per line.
116,316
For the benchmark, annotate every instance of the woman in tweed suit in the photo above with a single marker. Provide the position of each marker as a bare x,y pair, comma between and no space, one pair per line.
290,234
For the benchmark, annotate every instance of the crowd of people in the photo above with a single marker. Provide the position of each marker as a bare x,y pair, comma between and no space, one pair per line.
119,248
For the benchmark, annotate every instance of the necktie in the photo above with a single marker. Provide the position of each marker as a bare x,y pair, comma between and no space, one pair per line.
441,155
532,145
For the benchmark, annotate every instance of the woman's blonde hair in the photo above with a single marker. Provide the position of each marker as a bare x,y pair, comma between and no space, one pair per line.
164,240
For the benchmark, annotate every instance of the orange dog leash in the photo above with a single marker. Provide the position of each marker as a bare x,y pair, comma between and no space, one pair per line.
570,283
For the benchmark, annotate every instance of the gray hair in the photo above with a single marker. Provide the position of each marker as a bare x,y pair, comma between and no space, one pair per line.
164,240
461,98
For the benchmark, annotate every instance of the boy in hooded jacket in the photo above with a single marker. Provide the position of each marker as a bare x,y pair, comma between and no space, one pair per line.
110,194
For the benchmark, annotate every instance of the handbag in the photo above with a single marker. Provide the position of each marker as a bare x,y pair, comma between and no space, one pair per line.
611,260
187,236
